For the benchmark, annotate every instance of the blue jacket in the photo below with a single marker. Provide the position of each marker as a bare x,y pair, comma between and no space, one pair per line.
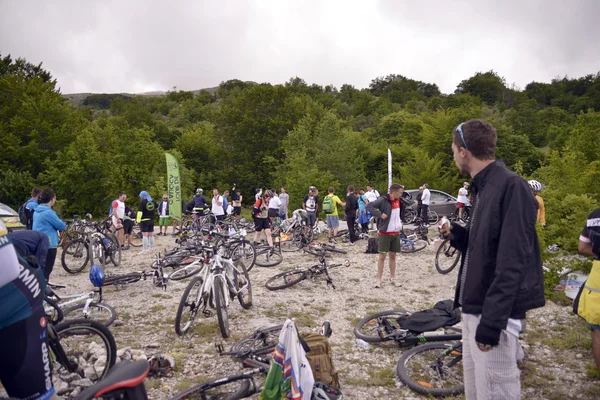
31,204
46,221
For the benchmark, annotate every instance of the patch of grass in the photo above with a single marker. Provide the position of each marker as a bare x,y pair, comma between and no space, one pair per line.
356,381
592,372
422,291
132,294
591,392
382,377
559,298
303,318
353,320
157,307
205,328
184,383
152,383
123,316
355,280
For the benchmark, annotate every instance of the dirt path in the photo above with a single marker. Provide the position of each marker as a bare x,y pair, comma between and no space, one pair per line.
558,344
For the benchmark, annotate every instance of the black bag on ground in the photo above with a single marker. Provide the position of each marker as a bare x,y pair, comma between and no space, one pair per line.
442,314
372,246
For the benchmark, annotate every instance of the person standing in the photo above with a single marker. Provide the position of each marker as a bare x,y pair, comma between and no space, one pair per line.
420,202
351,211
363,215
311,205
46,221
163,215
425,200
226,205
462,200
389,226
274,205
236,201
500,276
118,212
128,219
284,198
372,195
217,206
587,303
31,205
536,189
198,203
260,212
145,217
333,220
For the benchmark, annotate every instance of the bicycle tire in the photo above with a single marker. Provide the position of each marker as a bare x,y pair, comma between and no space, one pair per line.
106,317
366,328
68,330
215,390
96,252
427,357
288,246
266,258
114,250
413,247
239,280
432,217
444,252
410,215
75,256
262,341
342,232
185,304
186,271
221,305
56,315
288,279
122,279
244,250
334,249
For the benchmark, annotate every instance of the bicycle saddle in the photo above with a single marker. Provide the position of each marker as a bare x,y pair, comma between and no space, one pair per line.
124,375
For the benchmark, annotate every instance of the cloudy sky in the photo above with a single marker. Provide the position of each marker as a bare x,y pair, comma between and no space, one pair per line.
146,45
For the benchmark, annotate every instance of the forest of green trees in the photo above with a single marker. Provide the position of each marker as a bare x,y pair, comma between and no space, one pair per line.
296,134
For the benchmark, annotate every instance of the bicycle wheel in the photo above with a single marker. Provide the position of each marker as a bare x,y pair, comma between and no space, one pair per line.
433,369
432,217
410,215
100,312
83,346
221,305
96,252
268,257
289,246
446,257
244,250
368,328
189,305
241,281
75,256
262,341
333,249
122,279
230,388
411,246
114,250
186,271
285,279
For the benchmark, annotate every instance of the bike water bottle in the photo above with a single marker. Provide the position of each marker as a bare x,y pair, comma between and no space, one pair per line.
106,242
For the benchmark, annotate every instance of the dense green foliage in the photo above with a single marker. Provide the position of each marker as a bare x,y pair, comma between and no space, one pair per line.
295,134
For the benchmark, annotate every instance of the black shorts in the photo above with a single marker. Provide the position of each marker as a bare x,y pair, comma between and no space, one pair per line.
127,226
261,223
273,212
147,226
237,210
25,367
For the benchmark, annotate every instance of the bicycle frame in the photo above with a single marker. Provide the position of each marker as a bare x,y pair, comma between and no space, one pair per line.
77,298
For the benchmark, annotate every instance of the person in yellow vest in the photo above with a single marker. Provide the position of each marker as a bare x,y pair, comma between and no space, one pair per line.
145,217
330,203
536,188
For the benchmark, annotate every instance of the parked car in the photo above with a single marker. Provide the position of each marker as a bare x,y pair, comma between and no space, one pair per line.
10,218
441,203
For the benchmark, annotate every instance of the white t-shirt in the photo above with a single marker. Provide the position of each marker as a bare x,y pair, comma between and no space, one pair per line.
462,196
120,206
274,202
216,209
163,212
426,197
372,195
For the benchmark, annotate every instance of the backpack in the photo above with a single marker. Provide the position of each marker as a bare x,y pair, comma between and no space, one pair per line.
25,215
310,204
372,246
328,206
320,359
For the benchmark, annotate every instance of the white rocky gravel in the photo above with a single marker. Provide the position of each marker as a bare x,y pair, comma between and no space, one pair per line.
145,324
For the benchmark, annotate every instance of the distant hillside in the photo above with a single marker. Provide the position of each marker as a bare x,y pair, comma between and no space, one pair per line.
76,99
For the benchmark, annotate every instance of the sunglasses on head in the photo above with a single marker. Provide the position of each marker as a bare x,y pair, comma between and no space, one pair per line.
462,136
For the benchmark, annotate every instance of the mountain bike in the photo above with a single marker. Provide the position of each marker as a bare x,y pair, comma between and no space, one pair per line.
412,243
82,305
318,249
411,215
454,217
219,277
433,369
290,278
446,257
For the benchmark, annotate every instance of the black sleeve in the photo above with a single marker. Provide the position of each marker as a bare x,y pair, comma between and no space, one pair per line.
373,207
459,238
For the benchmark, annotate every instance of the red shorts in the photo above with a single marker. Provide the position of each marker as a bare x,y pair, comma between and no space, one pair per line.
460,205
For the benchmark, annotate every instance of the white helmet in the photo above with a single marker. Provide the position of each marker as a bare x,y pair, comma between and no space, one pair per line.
199,191
321,391
535,186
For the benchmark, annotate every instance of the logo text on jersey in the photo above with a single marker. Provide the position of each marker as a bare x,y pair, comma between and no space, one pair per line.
30,281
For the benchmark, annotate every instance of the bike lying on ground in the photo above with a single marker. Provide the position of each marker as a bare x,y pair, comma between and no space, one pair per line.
83,305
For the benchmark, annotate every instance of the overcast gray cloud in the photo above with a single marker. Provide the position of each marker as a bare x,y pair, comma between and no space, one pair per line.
137,46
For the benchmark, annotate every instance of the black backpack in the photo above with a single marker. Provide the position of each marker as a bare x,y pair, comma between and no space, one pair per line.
372,246
25,215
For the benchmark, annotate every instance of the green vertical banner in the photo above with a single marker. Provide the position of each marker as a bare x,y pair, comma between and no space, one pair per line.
174,187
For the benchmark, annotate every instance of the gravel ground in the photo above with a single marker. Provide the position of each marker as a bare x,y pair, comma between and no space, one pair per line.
147,314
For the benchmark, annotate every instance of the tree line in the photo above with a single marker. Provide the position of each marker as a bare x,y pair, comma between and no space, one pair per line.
295,135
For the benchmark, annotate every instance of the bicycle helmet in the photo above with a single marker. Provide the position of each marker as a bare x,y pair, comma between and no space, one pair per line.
199,191
535,186
322,391
88,216
96,275
312,188
269,193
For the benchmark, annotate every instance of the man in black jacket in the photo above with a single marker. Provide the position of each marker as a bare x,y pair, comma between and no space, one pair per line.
350,210
500,277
